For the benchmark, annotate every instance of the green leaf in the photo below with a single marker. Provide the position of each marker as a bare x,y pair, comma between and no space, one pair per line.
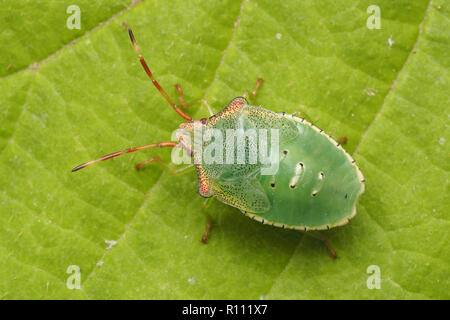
86,95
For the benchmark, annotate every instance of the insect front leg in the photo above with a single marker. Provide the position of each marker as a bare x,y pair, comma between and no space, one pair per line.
183,104
254,92
181,97
172,171
259,82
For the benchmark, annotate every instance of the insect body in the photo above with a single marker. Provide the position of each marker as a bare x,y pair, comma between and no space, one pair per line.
315,185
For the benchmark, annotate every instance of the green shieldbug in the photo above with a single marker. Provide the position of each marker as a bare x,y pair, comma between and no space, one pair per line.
315,186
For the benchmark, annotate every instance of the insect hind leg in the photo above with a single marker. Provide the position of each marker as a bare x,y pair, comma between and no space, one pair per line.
207,230
324,240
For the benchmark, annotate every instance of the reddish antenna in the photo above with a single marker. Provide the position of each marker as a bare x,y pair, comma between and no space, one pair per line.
164,94
119,153
150,75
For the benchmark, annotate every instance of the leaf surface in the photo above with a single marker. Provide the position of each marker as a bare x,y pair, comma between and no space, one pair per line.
86,95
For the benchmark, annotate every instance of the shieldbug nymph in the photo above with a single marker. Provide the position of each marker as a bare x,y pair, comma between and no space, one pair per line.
315,184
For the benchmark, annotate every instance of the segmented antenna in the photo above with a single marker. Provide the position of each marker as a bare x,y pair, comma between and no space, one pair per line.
150,75
119,153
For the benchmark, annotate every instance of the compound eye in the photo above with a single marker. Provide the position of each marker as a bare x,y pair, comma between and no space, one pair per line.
203,120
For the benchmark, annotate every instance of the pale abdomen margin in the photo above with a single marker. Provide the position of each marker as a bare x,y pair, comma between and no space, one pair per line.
317,184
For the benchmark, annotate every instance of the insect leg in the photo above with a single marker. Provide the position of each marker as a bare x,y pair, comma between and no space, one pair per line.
181,97
155,159
207,230
254,91
160,161
329,247
342,140
325,241
259,82
119,153
155,83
